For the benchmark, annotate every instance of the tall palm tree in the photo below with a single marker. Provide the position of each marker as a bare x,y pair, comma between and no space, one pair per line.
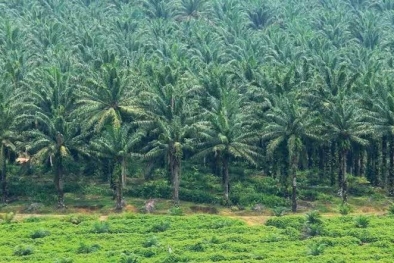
116,144
8,135
380,107
344,124
54,135
169,105
289,124
60,141
227,129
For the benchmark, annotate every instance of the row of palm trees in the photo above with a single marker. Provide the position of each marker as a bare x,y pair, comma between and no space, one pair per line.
267,85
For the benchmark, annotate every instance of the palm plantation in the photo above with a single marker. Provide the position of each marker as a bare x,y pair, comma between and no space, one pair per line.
279,90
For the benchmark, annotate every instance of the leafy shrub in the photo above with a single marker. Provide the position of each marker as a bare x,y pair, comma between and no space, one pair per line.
7,218
86,249
198,247
285,222
316,249
23,250
175,211
198,196
292,233
40,233
391,209
151,242
309,195
160,227
361,221
326,198
129,258
217,257
214,240
359,186
249,195
152,189
311,230
64,260
344,209
279,211
101,227
32,219
266,185
313,217
74,219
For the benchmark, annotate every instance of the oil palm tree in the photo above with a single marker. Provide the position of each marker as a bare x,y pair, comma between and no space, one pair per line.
344,123
51,135
8,135
59,143
117,145
169,105
227,129
289,124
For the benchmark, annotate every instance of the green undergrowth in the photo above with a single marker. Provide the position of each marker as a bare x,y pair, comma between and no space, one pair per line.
198,238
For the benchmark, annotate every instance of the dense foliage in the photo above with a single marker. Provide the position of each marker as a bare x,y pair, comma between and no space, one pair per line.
123,88
202,238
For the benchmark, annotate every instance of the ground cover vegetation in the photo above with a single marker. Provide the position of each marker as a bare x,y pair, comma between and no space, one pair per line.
197,238
223,102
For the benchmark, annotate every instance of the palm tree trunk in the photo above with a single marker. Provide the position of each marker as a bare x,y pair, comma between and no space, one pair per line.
342,175
59,183
176,170
333,163
384,161
226,181
322,161
124,171
3,174
390,181
119,188
293,172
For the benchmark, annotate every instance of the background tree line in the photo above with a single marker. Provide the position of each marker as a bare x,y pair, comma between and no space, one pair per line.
275,86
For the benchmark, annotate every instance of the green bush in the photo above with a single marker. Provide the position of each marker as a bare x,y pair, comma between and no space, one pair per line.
359,186
311,230
152,189
313,217
175,211
64,260
151,242
279,211
129,258
198,196
7,218
391,209
285,222
86,249
160,227
316,249
198,247
266,185
40,233
361,221
101,227
217,258
308,194
248,195
344,209
23,250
